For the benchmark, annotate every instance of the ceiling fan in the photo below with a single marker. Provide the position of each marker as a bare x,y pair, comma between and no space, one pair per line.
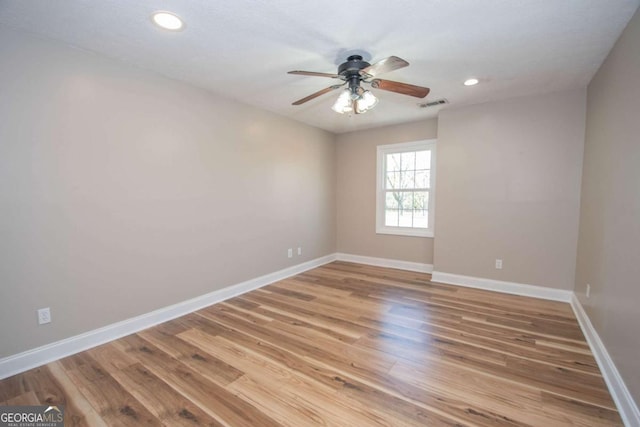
354,72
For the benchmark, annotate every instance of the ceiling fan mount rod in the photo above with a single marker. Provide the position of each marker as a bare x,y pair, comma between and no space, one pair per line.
354,83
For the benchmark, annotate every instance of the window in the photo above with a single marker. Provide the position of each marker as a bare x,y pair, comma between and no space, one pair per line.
405,184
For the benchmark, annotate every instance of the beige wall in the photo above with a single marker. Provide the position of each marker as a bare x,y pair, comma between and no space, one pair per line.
356,194
508,187
122,191
609,240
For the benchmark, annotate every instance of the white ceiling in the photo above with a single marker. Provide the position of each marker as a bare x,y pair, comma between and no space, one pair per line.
243,48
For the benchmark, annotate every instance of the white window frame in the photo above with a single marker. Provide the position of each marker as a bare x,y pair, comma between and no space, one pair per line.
382,151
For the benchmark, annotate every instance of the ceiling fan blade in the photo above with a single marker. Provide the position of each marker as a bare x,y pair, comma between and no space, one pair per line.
313,73
384,66
403,88
317,94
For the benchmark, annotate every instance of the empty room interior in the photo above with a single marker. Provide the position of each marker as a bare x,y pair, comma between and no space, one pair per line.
284,213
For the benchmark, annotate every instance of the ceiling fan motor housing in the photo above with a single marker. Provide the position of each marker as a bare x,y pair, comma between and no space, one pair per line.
354,64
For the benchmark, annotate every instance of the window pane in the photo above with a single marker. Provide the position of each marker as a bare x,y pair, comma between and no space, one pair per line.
405,199
423,159
405,219
420,200
408,160
393,162
391,201
407,179
391,218
393,180
421,219
422,178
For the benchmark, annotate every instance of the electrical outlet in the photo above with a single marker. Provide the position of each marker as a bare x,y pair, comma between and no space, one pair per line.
290,253
588,290
44,316
498,264
299,251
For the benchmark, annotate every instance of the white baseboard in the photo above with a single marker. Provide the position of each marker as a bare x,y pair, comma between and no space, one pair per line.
30,359
385,262
504,287
619,391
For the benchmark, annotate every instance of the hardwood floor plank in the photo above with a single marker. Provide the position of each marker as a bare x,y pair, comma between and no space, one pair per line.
309,312
25,399
340,345
543,377
582,413
160,399
12,387
87,414
114,404
566,357
493,393
203,363
293,319
319,324
49,391
522,323
314,405
110,358
280,289
210,397
333,351
286,411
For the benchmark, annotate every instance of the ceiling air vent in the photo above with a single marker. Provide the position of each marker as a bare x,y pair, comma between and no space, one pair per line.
433,103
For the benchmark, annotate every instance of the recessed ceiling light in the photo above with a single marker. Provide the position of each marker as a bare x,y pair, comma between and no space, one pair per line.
471,82
168,21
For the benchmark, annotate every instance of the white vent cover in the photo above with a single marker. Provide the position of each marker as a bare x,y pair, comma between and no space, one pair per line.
433,103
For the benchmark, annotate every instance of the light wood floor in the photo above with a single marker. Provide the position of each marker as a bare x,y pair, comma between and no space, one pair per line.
341,345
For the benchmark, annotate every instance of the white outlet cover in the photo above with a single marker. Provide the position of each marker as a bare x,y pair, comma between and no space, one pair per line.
499,264
290,253
299,251
44,316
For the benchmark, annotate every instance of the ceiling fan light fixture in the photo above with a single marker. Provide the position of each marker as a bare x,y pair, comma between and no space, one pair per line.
344,103
366,102
348,100
471,82
167,20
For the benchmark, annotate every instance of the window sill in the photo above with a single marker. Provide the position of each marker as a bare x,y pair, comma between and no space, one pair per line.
407,232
